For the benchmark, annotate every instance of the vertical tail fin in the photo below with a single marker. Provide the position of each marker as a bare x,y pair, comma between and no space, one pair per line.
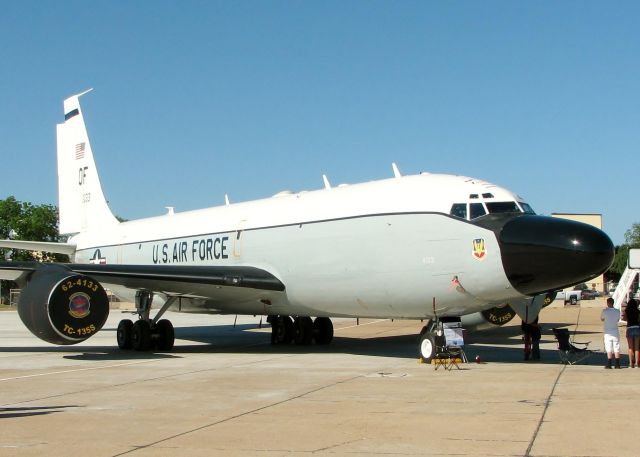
82,203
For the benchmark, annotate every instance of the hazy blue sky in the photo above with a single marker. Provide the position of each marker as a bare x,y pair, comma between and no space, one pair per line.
193,100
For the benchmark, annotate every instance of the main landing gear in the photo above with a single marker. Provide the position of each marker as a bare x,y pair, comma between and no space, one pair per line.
301,330
146,334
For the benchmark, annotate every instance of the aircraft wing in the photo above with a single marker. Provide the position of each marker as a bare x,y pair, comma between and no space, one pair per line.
173,279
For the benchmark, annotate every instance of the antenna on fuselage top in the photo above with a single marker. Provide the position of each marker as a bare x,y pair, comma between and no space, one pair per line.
327,184
396,172
226,199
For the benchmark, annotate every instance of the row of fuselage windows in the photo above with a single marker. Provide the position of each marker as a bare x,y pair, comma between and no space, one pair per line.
475,210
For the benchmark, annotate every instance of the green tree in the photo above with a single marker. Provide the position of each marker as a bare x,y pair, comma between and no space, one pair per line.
632,240
632,236
29,222
619,262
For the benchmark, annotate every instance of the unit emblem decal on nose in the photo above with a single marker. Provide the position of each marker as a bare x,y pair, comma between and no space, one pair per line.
479,250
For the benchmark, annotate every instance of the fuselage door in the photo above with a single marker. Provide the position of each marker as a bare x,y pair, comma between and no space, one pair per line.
237,241
119,250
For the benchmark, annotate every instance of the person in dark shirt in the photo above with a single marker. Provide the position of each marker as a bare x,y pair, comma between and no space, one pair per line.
531,335
536,335
633,333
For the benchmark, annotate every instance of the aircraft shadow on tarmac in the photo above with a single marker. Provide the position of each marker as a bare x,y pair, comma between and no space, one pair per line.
505,344
513,335
27,411
500,345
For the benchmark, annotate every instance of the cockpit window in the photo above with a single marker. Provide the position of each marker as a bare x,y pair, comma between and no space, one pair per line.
476,210
459,210
503,207
527,208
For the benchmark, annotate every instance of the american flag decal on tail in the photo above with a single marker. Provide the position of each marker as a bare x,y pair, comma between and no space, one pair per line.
80,150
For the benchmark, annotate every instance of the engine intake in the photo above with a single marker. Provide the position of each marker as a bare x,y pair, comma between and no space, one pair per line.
62,307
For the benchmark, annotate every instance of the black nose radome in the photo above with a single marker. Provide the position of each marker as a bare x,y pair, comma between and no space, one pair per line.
542,253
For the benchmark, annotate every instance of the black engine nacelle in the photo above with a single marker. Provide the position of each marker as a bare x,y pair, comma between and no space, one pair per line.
62,307
489,318
501,315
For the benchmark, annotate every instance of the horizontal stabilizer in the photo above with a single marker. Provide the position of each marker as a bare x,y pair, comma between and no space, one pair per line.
44,246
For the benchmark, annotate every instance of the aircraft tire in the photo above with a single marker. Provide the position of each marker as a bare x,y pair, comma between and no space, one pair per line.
322,330
141,335
303,330
281,330
124,334
427,347
165,335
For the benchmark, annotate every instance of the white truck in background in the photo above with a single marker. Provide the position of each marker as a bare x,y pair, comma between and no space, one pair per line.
571,297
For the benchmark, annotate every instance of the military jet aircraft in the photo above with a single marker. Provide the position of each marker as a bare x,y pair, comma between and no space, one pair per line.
424,247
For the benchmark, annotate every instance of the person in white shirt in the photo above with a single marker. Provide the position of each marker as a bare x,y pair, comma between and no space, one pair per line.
610,316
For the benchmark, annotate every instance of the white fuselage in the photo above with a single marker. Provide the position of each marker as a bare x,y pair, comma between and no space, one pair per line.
385,248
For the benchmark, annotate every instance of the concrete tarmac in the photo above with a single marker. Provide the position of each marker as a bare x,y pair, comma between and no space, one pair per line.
226,391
